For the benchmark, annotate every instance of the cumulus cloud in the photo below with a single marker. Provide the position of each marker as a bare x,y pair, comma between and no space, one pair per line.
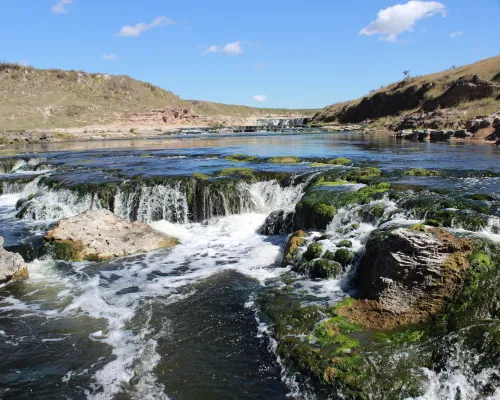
141,27
260,98
233,48
402,17
111,56
455,34
60,7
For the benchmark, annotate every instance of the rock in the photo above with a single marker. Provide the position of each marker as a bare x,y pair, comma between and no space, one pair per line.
437,136
277,223
408,274
461,134
12,265
293,244
100,235
321,269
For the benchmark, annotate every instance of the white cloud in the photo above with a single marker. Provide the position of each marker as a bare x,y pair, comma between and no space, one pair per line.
111,56
260,98
402,17
233,48
137,29
60,7
455,34
24,63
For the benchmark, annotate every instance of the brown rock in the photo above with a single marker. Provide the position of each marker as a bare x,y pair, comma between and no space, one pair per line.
406,275
12,265
101,235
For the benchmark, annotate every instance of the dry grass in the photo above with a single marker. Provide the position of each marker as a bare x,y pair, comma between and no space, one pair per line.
33,98
487,70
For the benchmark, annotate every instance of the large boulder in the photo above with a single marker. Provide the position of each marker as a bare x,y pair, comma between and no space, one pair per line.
12,265
407,274
100,235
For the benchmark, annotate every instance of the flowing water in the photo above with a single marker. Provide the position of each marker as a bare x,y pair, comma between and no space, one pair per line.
183,323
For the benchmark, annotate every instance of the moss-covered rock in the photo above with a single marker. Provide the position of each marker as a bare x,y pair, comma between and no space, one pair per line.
320,269
285,160
292,247
199,175
363,174
345,243
344,257
421,172
247,172
313,251
241,158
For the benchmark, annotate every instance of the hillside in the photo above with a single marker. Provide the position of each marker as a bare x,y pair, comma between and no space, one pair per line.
441,100
32,98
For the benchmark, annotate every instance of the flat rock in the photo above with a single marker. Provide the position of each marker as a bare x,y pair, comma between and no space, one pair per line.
100,235
12,265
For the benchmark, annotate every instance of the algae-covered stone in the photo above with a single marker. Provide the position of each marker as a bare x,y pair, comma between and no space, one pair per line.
313,251
292,247
246,172
345,243
285,160
421,172
321,269
344,257
101,235
363,174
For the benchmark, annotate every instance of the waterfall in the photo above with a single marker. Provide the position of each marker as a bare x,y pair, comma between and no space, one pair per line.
283,122
179,201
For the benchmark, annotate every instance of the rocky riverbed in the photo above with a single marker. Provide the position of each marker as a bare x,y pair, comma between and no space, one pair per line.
303,266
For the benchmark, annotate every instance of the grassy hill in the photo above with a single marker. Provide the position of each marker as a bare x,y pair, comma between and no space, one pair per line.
34,98
455,95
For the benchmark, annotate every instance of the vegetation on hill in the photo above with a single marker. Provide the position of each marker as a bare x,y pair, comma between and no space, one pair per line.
35,98
462,93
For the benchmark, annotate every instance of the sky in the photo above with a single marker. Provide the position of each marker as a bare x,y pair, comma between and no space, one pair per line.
273,53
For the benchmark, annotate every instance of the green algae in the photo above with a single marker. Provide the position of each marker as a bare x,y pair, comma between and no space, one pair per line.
292,247
235,171
344,257
320,269
284,160
241,158
330,184
421,172
199,175
345,243
363,174
313,251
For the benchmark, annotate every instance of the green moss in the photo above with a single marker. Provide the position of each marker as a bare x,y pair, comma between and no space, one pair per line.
241,158
419,228
363,174
329,255
285,160
330,184
480,196
236,172
344,257
313,251
294,243
144,155
432,222
421,172
320,269
200,176
340,161
345,243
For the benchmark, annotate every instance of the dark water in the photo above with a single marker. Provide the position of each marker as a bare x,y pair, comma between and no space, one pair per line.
178,324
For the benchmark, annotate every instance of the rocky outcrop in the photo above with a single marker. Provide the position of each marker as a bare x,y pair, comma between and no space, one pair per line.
12,265
408,274
463,90
277,223
380,104
100,235
438,119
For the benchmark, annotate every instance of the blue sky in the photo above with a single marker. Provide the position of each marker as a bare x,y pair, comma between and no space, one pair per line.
261,53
